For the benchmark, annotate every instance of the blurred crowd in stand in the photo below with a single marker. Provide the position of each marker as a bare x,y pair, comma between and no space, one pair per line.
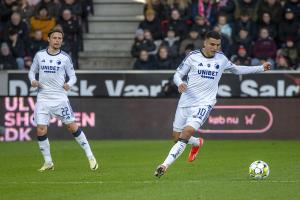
253,32
24,25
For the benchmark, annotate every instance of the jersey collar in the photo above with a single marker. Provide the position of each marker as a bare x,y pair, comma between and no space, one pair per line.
53,54
205,55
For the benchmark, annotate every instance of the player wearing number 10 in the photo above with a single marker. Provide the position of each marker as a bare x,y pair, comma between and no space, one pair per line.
203,69
52,65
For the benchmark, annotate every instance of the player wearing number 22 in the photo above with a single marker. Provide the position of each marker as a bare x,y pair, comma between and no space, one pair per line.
52,65
203,69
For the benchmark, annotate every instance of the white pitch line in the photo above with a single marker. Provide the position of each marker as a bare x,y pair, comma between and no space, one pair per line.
139,182
254,181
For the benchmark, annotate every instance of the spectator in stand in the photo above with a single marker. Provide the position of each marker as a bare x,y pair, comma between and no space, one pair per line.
17,48
18,25
245,21
74,6
266,21
144,61
158,7
224,26
184,8
148,36
290,52
205,9
192,39
177,24
7,7
273,7
241,57
249,6
42,21
201,25
152,23
242,38
76,9
226,7
288,28
72,33
283,63
141,43
295,6
53,7
36,43
171,41
264,48
87,9
225,42
26,10
7,61
163,60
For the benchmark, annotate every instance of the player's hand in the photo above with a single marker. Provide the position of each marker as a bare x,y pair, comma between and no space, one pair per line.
66,86
35,83
267,66
182,88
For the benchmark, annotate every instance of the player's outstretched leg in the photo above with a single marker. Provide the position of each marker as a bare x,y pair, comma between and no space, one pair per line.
82,141
195,149
174,153
45,150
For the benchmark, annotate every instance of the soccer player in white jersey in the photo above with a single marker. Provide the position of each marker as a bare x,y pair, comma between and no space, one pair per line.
52,65
203,69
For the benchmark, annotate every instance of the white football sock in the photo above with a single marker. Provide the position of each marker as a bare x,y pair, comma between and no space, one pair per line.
82,141
174,153
45,149
194,141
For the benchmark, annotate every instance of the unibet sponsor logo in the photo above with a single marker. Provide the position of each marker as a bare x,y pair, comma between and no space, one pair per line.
208,73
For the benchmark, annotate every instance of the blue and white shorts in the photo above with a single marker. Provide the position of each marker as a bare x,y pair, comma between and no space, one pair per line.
45,110
190,116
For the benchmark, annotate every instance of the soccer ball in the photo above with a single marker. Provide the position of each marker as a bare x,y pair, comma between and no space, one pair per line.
259,170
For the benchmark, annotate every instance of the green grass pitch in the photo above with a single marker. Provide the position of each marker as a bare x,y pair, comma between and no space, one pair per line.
127,167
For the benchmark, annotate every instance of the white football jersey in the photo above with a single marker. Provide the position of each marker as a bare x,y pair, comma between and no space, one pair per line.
52,70
203,75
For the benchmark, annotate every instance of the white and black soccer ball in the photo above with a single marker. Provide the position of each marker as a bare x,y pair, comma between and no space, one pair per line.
259,170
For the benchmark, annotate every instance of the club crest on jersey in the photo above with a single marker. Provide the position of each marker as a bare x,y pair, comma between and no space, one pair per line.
217,66
58,62
50,61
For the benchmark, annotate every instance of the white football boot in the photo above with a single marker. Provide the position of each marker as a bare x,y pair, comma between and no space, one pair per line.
93,164
47,167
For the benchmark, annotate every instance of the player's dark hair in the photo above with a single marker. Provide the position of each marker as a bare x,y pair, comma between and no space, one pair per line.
213,34
55,30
